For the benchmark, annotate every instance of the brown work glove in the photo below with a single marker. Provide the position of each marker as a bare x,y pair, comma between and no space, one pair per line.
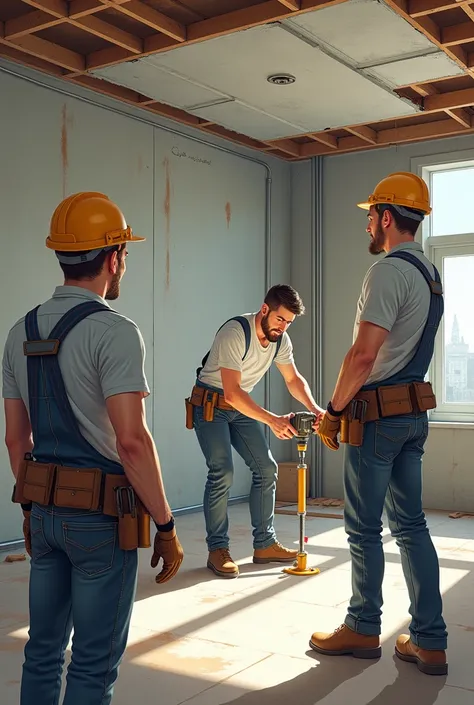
167,547
27,531
329,427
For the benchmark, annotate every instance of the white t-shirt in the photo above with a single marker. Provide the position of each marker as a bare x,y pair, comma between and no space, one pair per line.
228,350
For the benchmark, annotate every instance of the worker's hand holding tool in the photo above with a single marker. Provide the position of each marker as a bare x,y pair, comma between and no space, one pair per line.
282,426
329,428
167,547
27,531
318,419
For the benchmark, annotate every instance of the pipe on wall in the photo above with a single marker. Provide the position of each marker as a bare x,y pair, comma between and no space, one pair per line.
316,247
43,83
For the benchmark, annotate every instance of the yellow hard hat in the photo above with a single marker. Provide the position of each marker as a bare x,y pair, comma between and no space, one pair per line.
88,221
401,188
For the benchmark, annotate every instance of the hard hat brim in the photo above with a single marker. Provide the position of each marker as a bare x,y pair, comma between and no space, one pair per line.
365,206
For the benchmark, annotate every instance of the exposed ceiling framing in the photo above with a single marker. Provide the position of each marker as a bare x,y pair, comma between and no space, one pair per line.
70,39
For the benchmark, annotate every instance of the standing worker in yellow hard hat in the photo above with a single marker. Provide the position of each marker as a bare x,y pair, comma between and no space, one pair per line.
379,408
86,468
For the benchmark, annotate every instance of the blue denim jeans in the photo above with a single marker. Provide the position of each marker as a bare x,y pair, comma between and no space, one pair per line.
387,469
216,438
79,579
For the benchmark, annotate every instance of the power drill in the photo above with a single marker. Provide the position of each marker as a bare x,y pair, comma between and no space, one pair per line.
303,423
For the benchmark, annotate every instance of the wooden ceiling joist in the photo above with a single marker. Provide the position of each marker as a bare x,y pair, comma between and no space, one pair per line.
447,102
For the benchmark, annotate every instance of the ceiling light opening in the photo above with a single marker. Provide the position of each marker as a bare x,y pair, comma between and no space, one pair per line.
281,79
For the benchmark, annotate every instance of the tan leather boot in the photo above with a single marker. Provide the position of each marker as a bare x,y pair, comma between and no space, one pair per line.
431,662
345,642
274,554
221,563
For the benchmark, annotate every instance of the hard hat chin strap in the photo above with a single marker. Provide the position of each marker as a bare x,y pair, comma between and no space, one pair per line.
404,212
85,257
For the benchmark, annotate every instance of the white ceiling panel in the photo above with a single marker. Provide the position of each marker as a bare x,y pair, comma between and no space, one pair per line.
365,31
421,68
146,78
248,121
326,92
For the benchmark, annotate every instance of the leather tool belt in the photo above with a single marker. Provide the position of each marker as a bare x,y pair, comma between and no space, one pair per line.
209,400
391,400
90,489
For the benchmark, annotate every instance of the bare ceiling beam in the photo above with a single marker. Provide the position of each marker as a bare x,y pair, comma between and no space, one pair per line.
58,8
154,19
290,4
430,29
424,89
114,35
448,101
418,8
457,34
287,146
461,115
9,52
264,12
27,24
365,133
269,11
324,138
54,53
398,135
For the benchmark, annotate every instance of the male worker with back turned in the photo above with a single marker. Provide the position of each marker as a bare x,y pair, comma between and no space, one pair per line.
379,407
224,415
84,461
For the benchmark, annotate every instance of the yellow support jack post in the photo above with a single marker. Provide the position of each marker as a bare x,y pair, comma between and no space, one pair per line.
301,422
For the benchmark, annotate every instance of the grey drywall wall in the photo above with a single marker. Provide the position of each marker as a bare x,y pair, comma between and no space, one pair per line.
348,179
203,213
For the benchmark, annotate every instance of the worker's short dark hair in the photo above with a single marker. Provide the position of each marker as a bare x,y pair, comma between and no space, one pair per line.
86,270
284,295
404,224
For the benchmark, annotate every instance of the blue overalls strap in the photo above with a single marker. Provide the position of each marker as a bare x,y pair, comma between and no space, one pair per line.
244,322
417,367
56,434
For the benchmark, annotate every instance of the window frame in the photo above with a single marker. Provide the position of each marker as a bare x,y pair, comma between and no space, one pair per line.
436,248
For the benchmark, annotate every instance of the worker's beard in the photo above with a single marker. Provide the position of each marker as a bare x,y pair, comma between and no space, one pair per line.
113,292
376,246
271,334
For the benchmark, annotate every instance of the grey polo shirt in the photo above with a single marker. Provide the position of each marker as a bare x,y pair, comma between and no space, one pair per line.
103,355
395,296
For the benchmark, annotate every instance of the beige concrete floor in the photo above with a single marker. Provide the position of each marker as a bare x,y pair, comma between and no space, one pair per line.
207,641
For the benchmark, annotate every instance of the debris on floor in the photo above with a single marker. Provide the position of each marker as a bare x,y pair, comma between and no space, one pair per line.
461,515
14,557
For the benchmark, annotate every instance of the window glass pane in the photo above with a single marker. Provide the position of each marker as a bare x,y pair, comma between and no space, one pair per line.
458,275
452,193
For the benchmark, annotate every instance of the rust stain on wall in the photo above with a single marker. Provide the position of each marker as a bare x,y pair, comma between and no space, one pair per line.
228,213
167,209
64,147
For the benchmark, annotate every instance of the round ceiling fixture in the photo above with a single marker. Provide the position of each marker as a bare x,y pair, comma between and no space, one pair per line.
281,79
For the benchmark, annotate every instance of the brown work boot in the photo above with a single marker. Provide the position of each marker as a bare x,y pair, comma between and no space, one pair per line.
276,553
431,662
221,563
343,641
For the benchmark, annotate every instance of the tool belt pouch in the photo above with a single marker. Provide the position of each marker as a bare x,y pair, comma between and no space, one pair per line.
110,508
34,482
189,414
395,400
127,519
210,401
356,432
144,537
78,488
344,432
425,397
